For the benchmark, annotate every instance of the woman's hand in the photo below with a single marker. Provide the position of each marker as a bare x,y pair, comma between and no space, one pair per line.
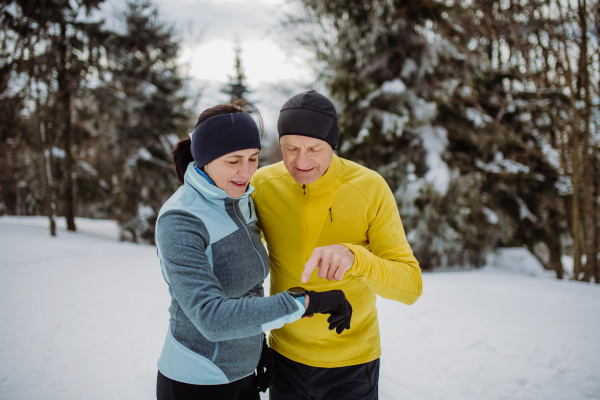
332,302
266,370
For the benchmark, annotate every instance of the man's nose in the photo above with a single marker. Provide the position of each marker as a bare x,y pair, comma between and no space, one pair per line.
303,159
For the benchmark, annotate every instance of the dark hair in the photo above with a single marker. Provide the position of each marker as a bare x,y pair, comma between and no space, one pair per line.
182,153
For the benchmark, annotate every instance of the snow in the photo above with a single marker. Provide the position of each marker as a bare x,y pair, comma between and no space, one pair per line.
408,68
87,167
518,260
435,140
393,87
56,152
94,227
504,166
422,110
551,154
524,211
491,216
141,154
492,335
477,117
564,185
84,317
144,154
392,125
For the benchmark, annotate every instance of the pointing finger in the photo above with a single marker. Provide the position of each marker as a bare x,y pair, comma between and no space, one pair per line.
311,265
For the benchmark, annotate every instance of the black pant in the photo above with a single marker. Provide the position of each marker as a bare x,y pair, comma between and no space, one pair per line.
297,381
243,389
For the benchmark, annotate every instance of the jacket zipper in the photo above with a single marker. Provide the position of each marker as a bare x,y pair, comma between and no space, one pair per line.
304,226
243,222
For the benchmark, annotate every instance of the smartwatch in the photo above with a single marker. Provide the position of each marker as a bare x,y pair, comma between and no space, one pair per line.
296,292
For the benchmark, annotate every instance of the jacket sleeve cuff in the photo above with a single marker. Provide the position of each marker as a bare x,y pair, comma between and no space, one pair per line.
359,256
295,316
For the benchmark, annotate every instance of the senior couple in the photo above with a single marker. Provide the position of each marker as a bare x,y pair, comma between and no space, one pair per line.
316,211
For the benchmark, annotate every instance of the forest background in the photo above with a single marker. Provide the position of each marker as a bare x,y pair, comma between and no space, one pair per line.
482,115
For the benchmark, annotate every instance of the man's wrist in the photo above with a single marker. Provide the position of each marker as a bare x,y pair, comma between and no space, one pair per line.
352,250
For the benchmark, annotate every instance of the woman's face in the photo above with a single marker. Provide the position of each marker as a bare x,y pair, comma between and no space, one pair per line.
232,172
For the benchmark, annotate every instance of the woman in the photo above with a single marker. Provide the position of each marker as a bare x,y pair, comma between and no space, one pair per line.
213,260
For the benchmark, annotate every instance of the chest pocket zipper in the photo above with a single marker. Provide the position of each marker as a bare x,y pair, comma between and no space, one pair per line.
241,220
214,357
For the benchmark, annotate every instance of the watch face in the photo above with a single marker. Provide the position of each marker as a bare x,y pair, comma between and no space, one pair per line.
296,291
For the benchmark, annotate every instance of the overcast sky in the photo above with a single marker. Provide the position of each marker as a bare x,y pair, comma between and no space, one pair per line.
275,67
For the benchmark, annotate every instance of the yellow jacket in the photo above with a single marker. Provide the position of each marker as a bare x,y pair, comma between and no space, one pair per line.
350,205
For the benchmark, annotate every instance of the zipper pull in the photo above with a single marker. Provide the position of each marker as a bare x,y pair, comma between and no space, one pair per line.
304,187
330,214
250,207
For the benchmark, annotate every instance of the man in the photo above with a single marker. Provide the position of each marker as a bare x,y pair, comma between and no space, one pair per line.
319,211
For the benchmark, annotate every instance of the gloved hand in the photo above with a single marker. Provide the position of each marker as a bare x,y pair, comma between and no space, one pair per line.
333,302
266,371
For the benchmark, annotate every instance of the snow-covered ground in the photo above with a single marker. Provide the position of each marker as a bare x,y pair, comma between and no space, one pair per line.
84,317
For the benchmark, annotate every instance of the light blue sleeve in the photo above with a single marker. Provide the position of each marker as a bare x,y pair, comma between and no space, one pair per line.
278,323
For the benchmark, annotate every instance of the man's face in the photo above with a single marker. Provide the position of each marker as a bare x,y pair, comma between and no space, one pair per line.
306,159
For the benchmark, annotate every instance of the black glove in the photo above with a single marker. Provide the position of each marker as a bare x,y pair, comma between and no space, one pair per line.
266,371
333,302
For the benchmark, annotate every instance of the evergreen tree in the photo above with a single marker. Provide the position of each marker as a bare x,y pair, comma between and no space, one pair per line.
382,67
97,108
55,47
541,69
422,102
237,88
143,111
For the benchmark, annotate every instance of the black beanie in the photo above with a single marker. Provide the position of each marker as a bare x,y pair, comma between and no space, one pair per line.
310,114
223,134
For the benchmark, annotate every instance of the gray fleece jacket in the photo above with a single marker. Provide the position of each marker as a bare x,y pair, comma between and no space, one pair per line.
213,260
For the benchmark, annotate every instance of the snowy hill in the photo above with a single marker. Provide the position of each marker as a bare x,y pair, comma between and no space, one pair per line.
84,317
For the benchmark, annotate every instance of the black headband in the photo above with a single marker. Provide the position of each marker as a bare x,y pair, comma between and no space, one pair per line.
223,134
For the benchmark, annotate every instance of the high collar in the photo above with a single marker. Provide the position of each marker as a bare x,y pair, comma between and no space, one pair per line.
210,192
324,181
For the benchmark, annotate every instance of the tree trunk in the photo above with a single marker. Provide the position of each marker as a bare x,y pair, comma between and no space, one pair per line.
553,243
596,171
596,162
575,199
556,261
64,87
50,194
573,96
589,220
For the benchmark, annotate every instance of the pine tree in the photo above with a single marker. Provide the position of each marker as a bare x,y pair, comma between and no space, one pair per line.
59,45
424,101
237,88
144,114
388,69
